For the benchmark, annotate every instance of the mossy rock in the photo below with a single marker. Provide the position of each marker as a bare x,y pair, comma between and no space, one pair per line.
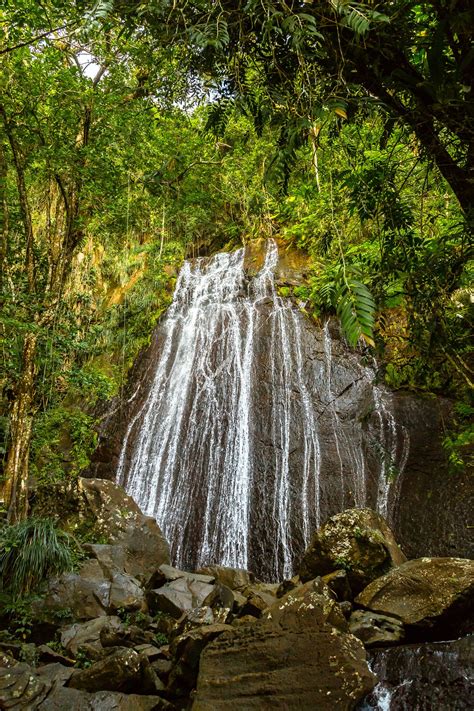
358,541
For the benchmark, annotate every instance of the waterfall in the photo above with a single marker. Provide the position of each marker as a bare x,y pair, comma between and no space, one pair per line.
228,447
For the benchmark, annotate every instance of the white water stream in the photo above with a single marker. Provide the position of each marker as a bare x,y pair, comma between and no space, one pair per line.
190,453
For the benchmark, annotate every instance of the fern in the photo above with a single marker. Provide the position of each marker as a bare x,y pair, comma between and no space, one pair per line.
218,115
358,16
356,309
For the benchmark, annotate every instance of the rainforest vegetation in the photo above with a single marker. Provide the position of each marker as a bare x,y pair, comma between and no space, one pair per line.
134,134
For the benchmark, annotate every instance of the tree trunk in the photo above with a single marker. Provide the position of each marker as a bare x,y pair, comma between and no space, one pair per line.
15,488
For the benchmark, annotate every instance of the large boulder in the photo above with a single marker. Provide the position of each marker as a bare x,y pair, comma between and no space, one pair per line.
64,698
291,659
233,578
433,596
88,633
23,688
357,540
81,596
20,688
314,594
119,671
90,593
183,591
187,650
117,517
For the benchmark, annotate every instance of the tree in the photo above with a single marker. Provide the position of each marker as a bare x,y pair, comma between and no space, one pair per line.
413,58
57,123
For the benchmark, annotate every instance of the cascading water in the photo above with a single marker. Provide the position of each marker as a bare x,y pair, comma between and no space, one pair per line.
436,675
242,417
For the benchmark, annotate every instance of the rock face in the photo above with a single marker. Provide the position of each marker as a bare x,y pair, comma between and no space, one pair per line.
424,676
428,594
358,540
119,671
292,659
368,447
233,578
90,593
25,689
105,582
120,520
376,630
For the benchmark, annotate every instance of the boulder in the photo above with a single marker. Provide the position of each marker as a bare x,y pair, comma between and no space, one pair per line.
119,671
260,597
357,540
338,582
76,636
198,617
21,688
84,595
291,659
167,574
287,585
432,596
162,668
125,594
64,698
149,651
187,651
312,595
374,629
124,636
57,673
91,592
233,578
46,655
25,689
117,517
110,557
178,596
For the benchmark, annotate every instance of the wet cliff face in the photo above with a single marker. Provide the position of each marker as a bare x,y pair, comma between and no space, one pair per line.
245,425
423,676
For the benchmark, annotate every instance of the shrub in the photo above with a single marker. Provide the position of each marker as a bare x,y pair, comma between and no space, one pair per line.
30,552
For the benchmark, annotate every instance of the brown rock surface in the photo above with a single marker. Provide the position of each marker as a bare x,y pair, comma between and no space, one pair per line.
358,540
374,629
233,578
118,518
436,593
295,660
119,671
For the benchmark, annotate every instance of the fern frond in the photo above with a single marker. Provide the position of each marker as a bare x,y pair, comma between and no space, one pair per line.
356,309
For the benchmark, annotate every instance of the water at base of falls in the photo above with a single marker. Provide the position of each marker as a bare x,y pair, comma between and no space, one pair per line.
227,449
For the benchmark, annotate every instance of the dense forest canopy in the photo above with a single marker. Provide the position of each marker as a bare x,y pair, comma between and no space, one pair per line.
134,133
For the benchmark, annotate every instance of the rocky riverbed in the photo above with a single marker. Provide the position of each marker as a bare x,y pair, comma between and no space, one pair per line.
359,626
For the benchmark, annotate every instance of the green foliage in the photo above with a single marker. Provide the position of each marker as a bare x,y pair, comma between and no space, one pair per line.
352,301
355,308
161,639
30,552
63,440
83,660
19,615
207,126
459,441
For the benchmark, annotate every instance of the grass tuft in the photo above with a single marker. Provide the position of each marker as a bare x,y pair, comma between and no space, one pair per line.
30,552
